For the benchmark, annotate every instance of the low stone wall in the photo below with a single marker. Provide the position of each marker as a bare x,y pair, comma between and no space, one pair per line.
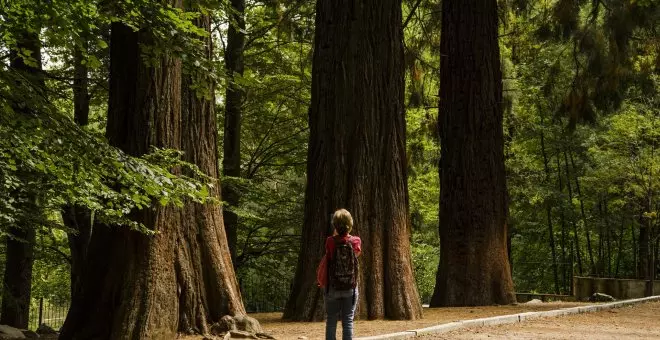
621,289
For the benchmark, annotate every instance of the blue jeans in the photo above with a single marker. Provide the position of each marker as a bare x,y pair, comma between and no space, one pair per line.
340,303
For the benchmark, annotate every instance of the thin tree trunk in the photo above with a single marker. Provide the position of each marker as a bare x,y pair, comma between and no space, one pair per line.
548,209
509,253
80,87
656,257
564,238
609,238
138,286
643,250
20,240
652,237
474,268
620,250
600,266
78,218
582,214
651,263
231,161
565,268
634,248
650,290
576,240
357,158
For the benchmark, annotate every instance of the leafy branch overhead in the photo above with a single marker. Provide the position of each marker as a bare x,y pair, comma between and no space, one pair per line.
45,152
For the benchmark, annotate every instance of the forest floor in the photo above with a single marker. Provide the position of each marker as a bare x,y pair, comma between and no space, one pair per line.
272,322
634,322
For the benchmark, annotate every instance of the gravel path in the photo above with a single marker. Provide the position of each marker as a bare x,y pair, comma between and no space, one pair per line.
636,322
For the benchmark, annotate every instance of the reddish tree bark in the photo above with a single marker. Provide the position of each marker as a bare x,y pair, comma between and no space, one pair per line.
136,286
474,268
357,158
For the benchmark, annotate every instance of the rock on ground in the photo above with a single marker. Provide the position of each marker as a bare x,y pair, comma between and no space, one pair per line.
238,327
10,333
45,329
248,324
226,324
600,297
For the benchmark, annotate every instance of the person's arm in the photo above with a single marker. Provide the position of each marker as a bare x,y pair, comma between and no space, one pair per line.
357,245
322,272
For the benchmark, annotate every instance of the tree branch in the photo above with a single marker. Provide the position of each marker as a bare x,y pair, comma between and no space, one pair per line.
412,12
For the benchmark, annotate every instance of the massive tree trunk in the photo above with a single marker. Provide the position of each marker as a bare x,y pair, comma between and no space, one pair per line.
231,161
357,158
473,269
17,281
137,286
203,256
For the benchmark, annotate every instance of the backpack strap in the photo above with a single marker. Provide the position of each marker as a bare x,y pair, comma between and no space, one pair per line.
355,258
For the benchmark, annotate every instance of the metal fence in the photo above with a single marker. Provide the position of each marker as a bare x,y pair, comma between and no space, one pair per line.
538,277
261,298
256,297
43,311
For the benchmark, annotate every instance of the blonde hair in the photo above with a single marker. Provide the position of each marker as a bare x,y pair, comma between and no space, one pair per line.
342,221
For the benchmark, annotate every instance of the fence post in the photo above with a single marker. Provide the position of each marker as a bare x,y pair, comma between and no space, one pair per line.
41,311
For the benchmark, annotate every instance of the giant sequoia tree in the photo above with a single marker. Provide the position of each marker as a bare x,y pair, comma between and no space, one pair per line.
357,159
180,279
474,268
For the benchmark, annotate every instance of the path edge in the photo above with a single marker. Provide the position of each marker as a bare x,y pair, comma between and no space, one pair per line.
508,319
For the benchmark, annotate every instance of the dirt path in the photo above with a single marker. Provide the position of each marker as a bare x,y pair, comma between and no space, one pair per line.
636,322
273,324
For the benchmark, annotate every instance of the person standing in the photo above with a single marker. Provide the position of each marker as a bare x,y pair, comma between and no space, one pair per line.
338,275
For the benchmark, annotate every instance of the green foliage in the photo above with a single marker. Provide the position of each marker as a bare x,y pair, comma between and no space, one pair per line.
559,81
51,271
605,38
274,134
55,159
46,155
425,264
422,44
